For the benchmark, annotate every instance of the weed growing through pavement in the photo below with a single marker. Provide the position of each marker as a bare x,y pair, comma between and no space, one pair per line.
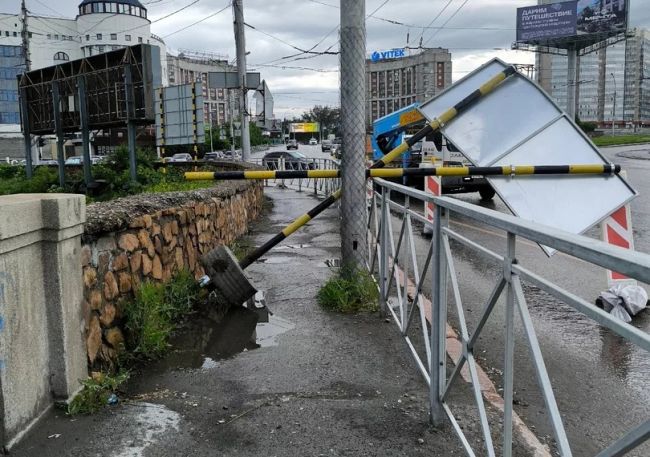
95,393
154,313
352,290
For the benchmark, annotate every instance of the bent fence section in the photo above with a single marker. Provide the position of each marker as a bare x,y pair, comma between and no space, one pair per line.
400,275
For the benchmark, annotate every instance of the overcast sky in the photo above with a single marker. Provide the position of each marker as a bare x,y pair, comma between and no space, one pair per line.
481,29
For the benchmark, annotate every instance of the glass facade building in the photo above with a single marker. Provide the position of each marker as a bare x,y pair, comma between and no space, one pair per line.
11,65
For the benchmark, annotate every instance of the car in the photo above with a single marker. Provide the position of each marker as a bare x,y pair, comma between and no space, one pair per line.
74,160
213,156
326,145
313,142
182,157
292,161
292,144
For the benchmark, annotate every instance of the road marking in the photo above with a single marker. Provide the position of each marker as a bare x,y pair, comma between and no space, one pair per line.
454,349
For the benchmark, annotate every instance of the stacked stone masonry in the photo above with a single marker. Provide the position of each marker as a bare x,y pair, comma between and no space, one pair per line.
126,247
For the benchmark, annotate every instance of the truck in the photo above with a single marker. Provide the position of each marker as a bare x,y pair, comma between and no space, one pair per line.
391,130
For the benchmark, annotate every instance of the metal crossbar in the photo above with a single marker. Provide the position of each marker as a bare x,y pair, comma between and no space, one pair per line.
318,186
401,277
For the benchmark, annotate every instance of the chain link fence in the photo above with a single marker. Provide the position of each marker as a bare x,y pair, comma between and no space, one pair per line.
353,117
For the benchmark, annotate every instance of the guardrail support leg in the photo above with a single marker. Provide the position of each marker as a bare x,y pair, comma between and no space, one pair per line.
383,252
508,366
438,322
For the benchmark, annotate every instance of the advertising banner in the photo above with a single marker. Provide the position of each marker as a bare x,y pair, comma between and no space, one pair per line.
570,19
546,21
305,127
601,16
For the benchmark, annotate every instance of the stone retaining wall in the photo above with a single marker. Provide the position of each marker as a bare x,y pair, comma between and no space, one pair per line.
149,238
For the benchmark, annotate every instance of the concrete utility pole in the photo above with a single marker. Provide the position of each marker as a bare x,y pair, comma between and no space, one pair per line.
23,101
25,36
354,248
240,43
572,82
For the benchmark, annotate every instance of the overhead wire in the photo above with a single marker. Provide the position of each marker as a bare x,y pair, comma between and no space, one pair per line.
447,21
199,21
434,20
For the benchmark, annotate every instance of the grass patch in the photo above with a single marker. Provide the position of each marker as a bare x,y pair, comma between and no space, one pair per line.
152,316
352,290
95,393
614,140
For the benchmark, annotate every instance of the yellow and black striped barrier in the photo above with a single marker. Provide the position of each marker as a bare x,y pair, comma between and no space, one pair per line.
289,229
507,170
447,116
436,124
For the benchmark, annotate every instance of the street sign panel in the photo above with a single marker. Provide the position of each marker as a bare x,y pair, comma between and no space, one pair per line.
230,80
179,118
237,124
503,129
237,132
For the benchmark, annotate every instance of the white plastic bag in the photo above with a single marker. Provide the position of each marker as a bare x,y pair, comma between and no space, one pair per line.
624,301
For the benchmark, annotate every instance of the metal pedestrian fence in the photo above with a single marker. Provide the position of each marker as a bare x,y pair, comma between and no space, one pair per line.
322,187
402,276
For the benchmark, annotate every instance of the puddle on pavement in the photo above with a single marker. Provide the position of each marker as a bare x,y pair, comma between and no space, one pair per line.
276,259
291,247
202,343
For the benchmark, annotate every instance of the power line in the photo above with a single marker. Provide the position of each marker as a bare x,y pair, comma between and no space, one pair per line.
199,21
378,8
447,21
302,51
434,20
288,67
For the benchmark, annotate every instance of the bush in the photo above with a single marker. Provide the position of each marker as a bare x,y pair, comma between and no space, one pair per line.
352,290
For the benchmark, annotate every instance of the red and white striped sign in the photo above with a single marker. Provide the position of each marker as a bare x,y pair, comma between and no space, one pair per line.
617,230
432,187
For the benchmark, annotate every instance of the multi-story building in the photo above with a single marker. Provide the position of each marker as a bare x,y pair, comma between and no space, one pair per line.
394,83
613,83
220,105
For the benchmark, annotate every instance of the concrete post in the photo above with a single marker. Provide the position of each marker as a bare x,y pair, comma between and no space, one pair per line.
131,127
60,156
24,111
353,117
240,42
572,82
85,129
42,348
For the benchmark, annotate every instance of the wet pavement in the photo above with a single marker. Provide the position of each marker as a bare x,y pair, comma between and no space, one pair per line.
600,381
308,382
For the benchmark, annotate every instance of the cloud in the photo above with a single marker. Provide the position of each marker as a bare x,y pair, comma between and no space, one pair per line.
304,23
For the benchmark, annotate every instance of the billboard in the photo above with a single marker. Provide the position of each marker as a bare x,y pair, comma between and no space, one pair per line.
305,127
179,115
554,21
601,16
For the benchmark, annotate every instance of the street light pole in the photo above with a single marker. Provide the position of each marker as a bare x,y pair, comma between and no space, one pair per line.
240,42
614,107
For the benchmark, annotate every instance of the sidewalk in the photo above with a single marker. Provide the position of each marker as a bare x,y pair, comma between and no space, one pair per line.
330,385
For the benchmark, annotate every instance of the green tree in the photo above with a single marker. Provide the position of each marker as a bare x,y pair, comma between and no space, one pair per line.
217,143
328,117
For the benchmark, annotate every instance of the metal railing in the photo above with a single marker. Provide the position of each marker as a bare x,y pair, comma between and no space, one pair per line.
393,260
322,186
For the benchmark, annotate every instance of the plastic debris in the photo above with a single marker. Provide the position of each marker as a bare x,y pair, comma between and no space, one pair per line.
624,301
112,400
